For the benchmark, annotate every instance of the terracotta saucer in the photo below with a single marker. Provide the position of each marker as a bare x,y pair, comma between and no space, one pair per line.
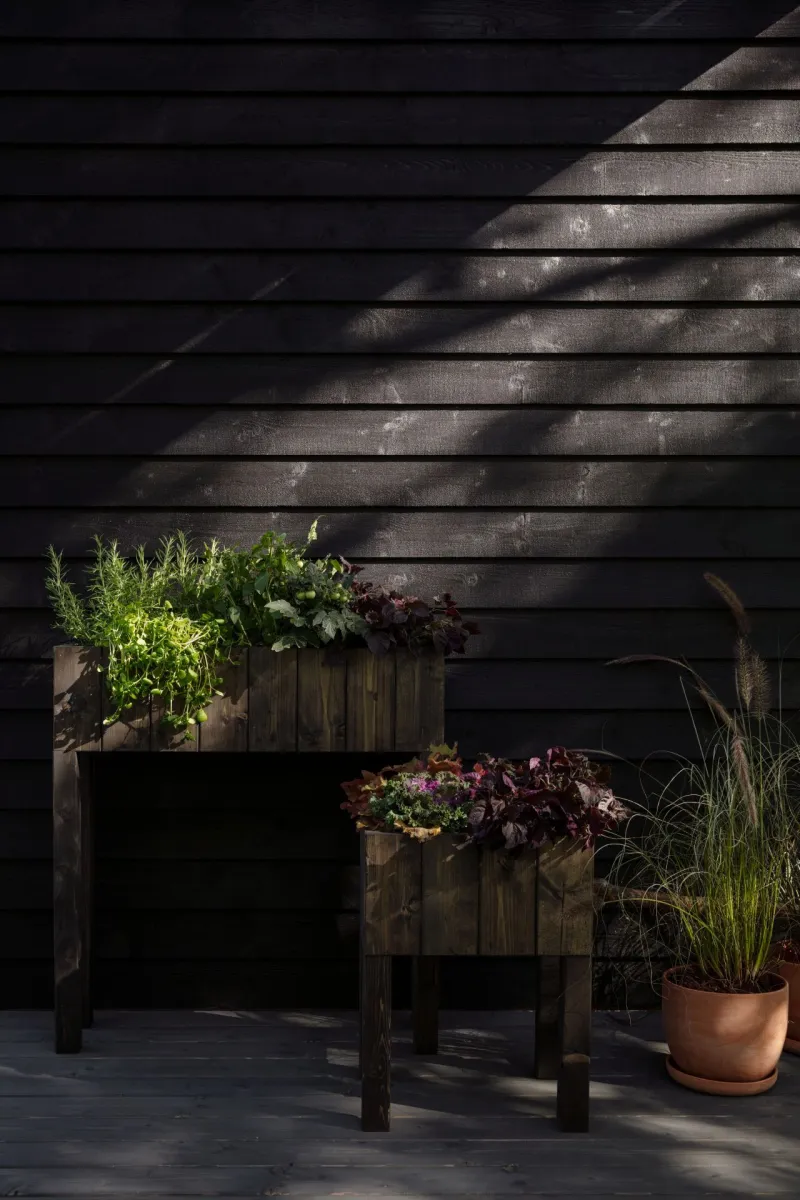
719,1087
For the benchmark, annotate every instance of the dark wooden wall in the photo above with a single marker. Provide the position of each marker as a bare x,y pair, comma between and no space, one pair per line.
507,290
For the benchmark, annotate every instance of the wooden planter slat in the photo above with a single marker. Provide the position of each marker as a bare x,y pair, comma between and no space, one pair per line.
273,700
77,726
321,701
435,898
226,726
305,700
450,898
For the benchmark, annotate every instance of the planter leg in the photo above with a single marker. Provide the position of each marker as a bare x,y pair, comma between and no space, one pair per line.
68,892
572,1104
87,892
376,1019
425,1003
546,1047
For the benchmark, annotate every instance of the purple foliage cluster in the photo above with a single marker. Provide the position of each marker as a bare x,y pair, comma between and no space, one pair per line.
563,795
395,621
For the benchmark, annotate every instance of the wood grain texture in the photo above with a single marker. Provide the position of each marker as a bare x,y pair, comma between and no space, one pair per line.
226,726
376,1044
428,21
140,281
399,120
419,700
450,897
507,904
572,1100
422,171
370,701
391,882
425,1003
394,381
272,692
339,224
76,728
540,433
383,66
564,905
547,1038
321,701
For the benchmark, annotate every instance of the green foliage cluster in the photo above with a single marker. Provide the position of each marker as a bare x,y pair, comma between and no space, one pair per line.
417,801
707,865
168,622
273,594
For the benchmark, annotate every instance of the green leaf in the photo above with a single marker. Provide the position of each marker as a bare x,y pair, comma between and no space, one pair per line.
260,583
281,606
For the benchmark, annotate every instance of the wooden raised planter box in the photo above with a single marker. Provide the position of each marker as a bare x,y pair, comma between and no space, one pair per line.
307,700
432,899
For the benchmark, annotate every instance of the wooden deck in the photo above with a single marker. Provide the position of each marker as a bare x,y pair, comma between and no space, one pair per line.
235,1104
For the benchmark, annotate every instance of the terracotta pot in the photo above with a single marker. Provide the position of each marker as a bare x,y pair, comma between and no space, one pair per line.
721,1042
791,973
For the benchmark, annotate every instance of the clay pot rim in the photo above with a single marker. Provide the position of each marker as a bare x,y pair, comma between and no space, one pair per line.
783,986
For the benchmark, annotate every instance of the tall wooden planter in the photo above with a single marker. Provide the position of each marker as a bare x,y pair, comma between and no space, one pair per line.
432,899
308,700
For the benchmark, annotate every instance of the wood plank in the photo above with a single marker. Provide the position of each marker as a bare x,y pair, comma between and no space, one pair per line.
358,19
564,912
370,703
425,1002
226,727
391,889
393,224
553,686
272,687
321,701
572,1103
449,329
165,737
547,1040
419,697
76,727
509,172
718,535
376,1042
450,898
513,484
522,120
395,381
498,433
140,279
507,904
123,934
386,67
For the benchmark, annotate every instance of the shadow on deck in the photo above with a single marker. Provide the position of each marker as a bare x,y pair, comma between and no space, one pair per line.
235,1104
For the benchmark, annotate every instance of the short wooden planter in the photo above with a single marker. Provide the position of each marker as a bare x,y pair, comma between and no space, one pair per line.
432,899
308,700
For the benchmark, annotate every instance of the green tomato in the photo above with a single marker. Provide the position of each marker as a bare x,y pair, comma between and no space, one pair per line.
202,715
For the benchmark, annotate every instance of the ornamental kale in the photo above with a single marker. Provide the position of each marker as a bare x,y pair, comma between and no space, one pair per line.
563,795
499,804
393,620
420,798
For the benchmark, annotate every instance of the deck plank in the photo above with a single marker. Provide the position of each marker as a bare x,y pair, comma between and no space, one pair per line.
233,1104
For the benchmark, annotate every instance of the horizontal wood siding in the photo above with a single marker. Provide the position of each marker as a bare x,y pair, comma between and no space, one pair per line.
506,292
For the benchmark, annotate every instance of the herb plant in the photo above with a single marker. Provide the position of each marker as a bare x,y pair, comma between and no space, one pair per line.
274,595
167,622
153,649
